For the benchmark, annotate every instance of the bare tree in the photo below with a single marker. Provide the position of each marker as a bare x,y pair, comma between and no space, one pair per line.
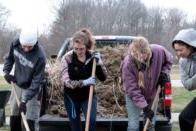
116,17
6,36
154,25
174,20
3,16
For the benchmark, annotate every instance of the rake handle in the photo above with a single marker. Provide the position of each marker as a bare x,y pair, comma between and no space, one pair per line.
22,113
154,104
90,98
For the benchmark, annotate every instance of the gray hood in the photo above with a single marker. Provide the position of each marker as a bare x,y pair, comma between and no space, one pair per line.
188,36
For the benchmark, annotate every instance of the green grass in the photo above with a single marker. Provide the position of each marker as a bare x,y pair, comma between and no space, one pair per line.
5,128
175,127
4,84
175,74
181,97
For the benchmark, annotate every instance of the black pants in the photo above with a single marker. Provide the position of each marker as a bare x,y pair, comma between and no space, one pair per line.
16,125
187,116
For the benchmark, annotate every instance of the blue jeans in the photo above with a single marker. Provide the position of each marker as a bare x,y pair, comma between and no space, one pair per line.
134,115
73,110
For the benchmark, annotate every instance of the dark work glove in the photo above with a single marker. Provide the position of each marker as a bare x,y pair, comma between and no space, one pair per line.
23,107
163,78
148,113
9,78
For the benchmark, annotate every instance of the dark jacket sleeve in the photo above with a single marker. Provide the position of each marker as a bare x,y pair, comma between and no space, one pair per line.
9,60
38,77
101,72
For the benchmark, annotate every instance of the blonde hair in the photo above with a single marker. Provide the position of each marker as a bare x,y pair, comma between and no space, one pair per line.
140,45
141,79
84,36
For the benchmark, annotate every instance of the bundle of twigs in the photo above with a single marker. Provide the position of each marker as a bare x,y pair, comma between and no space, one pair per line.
55,88
109,94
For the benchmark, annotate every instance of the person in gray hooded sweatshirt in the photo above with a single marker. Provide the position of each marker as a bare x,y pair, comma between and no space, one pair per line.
184,44
30,61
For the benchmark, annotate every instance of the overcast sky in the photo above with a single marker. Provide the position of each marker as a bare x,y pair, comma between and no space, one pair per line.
34,13
188,6
40,13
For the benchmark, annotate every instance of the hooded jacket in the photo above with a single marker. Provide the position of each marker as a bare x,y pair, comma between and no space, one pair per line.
188,65
29,68
161,61
188,36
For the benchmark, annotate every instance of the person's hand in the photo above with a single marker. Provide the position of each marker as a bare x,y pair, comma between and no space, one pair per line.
163,78
97,56
9,78
148,113
23,107
89,81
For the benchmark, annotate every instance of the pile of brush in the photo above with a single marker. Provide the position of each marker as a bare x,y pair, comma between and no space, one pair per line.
110,95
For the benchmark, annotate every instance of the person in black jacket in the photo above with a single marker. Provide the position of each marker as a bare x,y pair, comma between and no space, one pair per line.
30,61
76,77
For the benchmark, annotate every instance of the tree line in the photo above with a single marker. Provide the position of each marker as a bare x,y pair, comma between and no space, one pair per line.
111,17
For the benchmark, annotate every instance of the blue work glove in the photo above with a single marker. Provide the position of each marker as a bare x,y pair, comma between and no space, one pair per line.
23,107
10,78
148,113
89,81
97,56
